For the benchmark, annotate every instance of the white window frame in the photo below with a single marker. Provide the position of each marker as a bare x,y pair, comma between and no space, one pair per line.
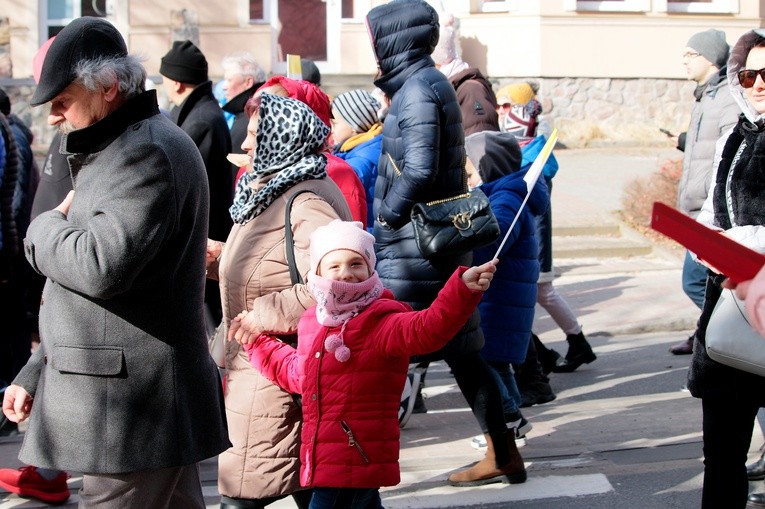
501,6
714,7
46,23
608,5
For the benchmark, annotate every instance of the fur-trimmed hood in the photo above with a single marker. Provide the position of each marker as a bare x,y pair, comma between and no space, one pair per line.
736,62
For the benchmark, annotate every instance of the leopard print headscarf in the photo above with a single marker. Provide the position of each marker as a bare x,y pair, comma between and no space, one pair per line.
289,141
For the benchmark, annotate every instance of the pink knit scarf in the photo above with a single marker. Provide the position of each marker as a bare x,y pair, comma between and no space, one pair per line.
337,302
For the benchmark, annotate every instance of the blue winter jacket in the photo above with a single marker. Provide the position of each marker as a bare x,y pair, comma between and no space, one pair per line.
507,307
363,158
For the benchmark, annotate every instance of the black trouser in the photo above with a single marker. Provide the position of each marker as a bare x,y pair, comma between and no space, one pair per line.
728,423
302,500
482,394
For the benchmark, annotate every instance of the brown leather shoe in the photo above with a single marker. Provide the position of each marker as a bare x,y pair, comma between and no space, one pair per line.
682,348
486,470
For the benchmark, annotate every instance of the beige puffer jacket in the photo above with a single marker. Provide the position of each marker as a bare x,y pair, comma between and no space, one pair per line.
264,421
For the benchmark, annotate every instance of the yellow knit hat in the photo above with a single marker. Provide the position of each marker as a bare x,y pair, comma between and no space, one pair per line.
517,93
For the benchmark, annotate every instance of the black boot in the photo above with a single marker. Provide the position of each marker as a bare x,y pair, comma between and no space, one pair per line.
532,383
757,499
548,357
536,393
579,352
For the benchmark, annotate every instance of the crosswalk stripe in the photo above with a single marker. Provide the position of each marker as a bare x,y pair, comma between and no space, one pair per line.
534,489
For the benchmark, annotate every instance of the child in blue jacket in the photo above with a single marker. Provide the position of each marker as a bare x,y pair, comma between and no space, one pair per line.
507,308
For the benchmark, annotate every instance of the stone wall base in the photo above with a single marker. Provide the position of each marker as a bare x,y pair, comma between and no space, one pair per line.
587,112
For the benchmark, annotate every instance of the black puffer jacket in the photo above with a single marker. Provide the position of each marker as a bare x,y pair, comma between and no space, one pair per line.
423,152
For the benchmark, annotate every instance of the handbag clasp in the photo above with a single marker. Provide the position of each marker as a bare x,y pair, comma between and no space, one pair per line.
462,221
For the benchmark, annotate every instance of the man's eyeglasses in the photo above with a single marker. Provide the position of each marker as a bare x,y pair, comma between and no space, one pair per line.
689,55
747,77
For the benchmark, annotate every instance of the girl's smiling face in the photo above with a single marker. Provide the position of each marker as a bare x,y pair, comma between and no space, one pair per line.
343,265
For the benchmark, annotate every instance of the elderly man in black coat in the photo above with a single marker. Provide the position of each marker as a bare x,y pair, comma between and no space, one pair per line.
184,69
122,387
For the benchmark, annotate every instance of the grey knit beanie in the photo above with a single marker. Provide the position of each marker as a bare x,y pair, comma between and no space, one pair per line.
358,108
711,45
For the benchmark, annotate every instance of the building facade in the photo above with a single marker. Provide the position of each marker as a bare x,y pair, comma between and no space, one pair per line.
609,70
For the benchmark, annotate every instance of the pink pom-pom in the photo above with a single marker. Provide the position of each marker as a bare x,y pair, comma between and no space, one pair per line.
333,342
343,353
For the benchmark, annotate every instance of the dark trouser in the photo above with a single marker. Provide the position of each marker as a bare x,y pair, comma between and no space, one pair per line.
543,224
165,488
728,424
346,498
531,369
301,498
476,382
15,340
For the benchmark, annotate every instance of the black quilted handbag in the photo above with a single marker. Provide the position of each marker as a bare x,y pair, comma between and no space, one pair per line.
454,226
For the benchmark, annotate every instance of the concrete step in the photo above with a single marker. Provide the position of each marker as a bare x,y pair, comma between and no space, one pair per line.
598,239
598,246
569,230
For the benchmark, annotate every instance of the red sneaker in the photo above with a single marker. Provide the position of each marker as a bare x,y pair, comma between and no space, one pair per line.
26,482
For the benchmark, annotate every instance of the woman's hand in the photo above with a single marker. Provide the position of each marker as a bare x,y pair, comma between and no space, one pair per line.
214,250
479,278
243,328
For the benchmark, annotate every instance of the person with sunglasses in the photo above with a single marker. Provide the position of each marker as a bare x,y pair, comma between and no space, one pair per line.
713,114
730,398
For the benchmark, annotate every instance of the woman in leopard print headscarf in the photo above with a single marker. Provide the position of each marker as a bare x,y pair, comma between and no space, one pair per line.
285,140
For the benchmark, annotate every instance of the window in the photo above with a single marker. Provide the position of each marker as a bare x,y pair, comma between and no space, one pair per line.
698,6
496,5
60,13
260,10
608,5
347,9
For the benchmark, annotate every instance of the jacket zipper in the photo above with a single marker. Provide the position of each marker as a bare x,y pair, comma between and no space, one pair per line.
395,168
352,440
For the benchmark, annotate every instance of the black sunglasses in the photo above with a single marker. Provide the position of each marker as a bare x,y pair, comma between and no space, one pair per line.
747,77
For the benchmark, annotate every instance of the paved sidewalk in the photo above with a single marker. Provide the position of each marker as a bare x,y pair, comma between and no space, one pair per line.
624,304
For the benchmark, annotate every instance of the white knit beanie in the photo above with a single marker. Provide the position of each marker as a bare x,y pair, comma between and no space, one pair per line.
340,234
358,108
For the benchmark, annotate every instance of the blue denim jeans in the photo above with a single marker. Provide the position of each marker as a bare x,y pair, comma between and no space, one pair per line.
346,498
694,280
508,389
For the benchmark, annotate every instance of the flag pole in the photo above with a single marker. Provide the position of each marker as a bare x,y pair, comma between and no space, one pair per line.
531,177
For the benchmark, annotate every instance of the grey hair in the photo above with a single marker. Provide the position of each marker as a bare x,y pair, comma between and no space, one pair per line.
101,73
244,63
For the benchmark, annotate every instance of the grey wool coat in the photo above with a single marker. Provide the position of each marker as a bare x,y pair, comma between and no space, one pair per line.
123,381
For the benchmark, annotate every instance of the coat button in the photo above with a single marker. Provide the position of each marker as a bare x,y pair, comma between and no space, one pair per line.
45,359
318,354
313,397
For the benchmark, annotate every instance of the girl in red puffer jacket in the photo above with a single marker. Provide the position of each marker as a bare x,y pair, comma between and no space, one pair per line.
351,362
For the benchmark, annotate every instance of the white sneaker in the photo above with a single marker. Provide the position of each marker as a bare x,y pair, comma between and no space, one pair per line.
479,441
